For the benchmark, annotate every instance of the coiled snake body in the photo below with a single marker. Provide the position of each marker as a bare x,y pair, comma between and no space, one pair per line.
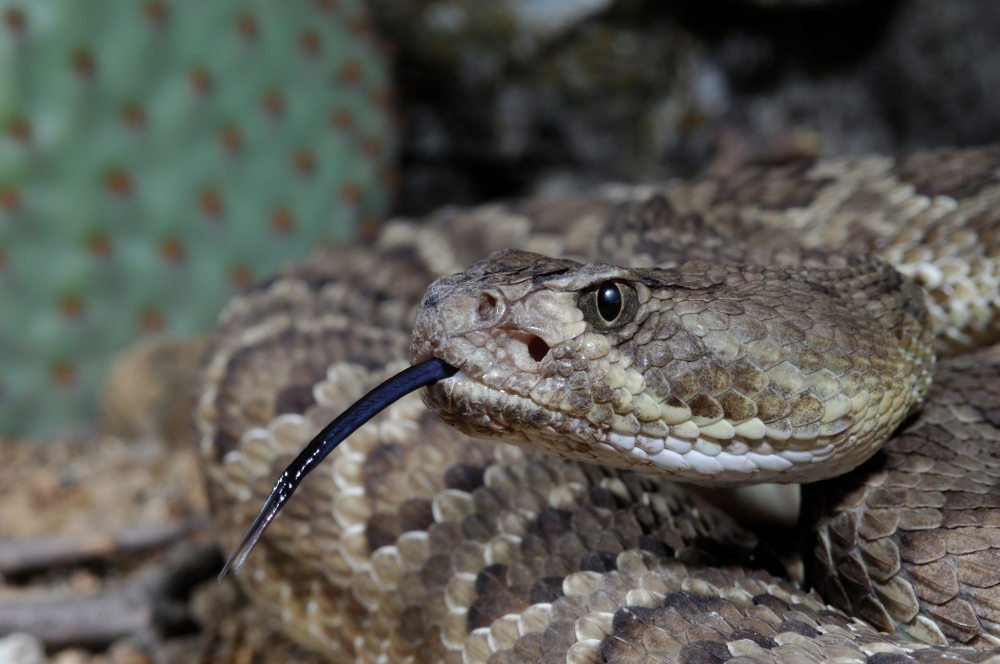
654,347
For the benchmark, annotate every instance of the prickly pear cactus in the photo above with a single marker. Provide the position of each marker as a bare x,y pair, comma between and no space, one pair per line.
155,158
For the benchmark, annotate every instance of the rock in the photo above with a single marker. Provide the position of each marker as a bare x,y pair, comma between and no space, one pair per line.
501,98
496,95
126,652
938,70
71,656
21,648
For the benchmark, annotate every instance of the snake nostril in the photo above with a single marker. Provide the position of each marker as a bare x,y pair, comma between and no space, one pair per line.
538,349
487,308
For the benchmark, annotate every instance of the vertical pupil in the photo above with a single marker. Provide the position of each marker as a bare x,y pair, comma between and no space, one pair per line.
609,301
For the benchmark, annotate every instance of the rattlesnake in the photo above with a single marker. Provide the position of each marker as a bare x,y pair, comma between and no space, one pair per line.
414,542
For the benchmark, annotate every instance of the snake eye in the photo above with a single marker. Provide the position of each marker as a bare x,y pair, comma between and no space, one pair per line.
609,301
609,306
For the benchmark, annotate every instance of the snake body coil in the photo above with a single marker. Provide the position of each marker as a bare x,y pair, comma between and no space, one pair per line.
721,331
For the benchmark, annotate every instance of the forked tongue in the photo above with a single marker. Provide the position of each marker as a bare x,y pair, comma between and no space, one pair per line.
365,408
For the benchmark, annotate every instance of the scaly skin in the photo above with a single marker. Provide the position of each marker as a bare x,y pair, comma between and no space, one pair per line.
724,374
414,542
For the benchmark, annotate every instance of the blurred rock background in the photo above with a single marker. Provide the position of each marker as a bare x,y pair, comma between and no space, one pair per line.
510,96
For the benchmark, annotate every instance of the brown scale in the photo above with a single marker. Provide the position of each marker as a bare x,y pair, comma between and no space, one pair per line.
915,532
563,542
399,490
705,615
294,361
955,173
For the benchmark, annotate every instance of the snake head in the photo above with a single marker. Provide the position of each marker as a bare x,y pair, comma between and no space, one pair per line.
716,374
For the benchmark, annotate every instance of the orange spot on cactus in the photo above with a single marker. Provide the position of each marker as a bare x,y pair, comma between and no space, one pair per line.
273,103
305,162
240,277
359,25
83,63
326,5
282,221
150,320
350,72
201,81
309,41
118,182
99,245
156,12
15,22
382,97
71,307
246,26
63,373
19,130
9,199
341,119
134,116
231,139
172,250
351,193
372,147
210,202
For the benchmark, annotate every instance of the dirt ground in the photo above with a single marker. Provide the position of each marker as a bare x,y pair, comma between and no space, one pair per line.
107,557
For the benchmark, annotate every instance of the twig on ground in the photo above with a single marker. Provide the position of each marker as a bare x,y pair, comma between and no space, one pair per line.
18,558
151,605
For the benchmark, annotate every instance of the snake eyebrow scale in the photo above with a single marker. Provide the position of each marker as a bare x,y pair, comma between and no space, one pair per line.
406,381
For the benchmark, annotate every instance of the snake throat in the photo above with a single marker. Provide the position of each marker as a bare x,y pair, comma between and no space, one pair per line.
722,375
360,412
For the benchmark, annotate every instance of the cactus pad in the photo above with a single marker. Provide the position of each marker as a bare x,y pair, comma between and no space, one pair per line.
155,158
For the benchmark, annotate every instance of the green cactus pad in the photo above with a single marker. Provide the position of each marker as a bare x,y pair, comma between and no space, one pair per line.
157,157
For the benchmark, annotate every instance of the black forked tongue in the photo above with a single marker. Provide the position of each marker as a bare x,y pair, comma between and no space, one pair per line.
365,408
